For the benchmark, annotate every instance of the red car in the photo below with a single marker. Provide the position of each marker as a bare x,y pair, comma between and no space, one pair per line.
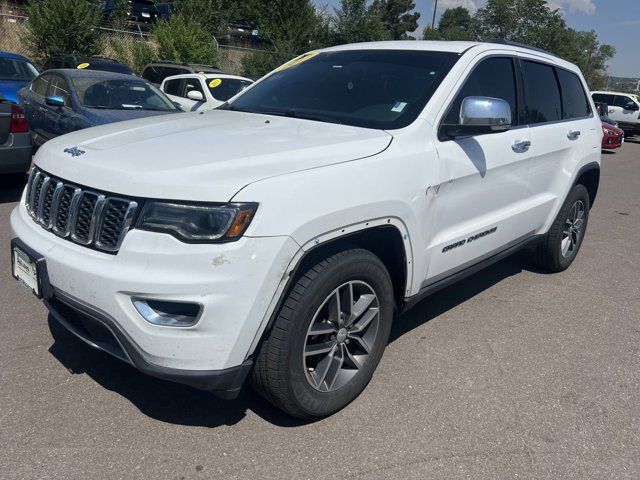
613,136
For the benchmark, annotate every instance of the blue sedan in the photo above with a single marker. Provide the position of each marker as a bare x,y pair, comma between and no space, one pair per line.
62,101
15,72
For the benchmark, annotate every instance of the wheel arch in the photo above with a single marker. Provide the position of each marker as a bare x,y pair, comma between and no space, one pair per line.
386,238
589,176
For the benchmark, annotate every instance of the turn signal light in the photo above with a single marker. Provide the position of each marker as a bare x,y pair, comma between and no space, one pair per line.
241,222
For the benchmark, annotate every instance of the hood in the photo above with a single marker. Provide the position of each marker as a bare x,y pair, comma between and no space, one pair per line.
206,156
9,89
99,116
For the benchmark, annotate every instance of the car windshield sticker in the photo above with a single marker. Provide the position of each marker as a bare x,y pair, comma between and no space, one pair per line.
296,61
82,66
215,83
398,107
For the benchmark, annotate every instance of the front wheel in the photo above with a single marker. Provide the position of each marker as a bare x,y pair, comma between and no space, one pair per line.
329,336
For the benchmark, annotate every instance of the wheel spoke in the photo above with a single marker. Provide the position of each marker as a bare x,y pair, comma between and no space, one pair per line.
352,358
364,321
319,348
346,303
361,341
578,224
321,370
333,368
322,328
334,308
360,307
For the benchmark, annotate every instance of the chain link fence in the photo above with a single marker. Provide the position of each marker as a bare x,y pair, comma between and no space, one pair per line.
134,48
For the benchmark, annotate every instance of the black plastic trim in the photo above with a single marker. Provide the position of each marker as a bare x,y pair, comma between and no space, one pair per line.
224,383
44,287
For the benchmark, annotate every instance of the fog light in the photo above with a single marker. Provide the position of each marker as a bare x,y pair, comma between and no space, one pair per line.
168,314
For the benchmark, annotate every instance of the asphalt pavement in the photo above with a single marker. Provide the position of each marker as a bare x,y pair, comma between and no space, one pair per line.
510,374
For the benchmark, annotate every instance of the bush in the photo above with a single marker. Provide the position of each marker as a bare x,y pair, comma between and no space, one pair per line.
63,26
185,40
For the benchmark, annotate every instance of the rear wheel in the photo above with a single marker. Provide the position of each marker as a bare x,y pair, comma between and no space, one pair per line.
560,246
328,337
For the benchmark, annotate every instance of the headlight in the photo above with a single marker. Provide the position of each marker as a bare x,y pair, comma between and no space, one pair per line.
198,223
609,132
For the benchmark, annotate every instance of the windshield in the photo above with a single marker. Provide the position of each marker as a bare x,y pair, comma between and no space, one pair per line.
19,70
119,94
224,88
382,89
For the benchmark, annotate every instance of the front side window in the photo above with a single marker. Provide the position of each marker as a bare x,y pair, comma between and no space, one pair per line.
193,84
58,88
381,89
493,77
543,102
621,101
117,94
17,70
574,98
604,98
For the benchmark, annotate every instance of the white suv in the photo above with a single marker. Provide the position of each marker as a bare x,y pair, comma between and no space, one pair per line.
624,108
278,238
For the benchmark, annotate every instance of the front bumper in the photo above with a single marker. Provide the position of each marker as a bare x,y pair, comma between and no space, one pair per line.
15,153
234,282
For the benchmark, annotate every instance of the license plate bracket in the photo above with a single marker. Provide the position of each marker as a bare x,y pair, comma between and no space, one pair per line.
29,268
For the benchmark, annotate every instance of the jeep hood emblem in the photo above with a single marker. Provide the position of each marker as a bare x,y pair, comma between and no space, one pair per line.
74,151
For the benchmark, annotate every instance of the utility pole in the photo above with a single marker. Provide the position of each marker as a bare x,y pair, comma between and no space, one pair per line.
433,21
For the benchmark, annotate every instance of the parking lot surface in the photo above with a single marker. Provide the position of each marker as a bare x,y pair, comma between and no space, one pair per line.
510,374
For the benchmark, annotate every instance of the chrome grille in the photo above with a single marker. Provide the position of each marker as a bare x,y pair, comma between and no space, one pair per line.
78,214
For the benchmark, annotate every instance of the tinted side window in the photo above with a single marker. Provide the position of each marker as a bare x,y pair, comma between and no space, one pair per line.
58,88
40,84
603,97
194,84
151,74
621,101
170,72
542,94
493,77
574,98
175,87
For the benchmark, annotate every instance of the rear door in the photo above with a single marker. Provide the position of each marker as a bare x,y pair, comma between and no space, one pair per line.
564,133
483,198
627,118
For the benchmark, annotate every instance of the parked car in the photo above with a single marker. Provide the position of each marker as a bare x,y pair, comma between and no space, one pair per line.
244,30
277,237
156,72
63,101
623,108
165,10
199,92
15,141
141,13
86,63
603,110
613,137
16,71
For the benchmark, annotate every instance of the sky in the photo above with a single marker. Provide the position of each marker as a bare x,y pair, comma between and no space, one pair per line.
617,22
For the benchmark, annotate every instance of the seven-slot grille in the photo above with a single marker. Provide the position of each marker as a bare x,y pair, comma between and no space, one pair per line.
83,216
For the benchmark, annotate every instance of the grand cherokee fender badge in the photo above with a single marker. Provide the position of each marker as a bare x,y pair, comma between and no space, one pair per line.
472,238
74,151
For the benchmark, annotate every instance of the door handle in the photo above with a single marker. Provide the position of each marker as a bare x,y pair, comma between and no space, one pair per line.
573,134
521,146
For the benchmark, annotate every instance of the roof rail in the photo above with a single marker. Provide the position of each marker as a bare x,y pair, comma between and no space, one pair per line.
501,41
185,64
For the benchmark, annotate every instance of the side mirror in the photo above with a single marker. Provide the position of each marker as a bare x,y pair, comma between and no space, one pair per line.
480,115
633,106
195,95
55,101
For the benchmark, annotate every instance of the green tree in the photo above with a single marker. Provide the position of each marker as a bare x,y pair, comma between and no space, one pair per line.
186,40
63,26
355,21
398,16
457,24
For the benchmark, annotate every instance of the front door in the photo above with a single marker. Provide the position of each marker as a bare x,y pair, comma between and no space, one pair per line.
480,203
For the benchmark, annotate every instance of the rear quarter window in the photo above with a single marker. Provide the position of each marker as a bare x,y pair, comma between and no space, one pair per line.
575,103
543,101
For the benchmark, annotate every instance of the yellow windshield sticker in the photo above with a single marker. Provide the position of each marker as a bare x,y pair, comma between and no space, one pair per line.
297,61
215,83
82,66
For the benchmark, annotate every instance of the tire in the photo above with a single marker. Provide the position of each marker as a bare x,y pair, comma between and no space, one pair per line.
292,380
561,244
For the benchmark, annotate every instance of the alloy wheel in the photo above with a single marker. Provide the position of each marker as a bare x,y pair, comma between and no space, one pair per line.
573,229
